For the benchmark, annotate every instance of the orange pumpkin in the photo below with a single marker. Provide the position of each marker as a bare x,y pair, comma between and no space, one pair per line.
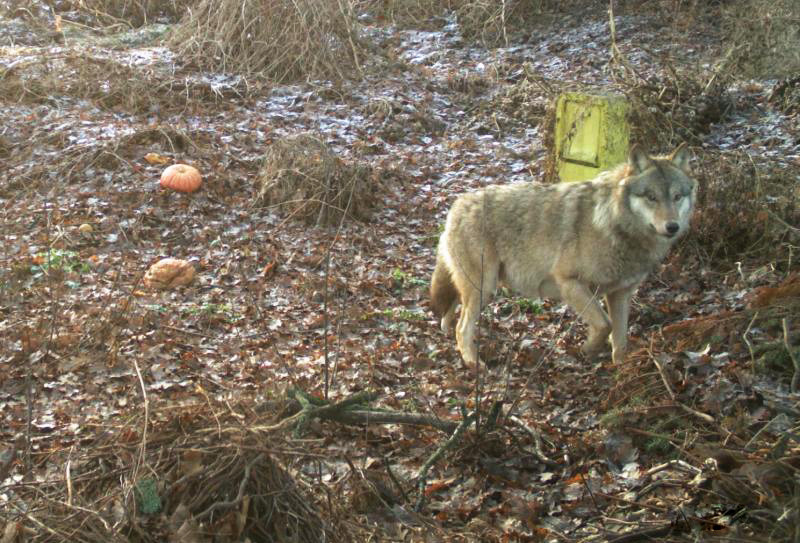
181,177
169,273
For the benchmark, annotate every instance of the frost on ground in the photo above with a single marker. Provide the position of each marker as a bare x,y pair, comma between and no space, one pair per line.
112,375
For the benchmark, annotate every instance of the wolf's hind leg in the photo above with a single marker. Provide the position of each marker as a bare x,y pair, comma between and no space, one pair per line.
465,330
474,297
447,319
588,307
619,305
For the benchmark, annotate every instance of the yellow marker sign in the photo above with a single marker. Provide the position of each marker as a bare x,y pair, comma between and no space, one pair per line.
592,134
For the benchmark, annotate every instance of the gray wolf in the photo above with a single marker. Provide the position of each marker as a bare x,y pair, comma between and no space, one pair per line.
571,242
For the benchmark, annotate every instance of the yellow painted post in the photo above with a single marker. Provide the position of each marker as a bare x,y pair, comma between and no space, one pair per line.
592,134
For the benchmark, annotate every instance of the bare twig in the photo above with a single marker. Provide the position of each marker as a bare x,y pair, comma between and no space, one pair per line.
392,476
761,431
795,362
537,439
68,477
286,40
143,445
585,484
239,495
702,416
423,472
747,341
326,323
40,524
673,464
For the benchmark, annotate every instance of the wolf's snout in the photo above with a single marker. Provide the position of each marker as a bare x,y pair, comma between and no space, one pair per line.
672,228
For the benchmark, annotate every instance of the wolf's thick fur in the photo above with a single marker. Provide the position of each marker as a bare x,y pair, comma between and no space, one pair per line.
573,242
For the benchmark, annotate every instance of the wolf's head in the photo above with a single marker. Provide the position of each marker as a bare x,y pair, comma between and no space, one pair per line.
661,191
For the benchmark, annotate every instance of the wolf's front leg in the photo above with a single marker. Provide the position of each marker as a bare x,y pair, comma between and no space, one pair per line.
619,306
465,330
586,304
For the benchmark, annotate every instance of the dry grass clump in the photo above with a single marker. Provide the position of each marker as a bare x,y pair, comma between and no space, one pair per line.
197,474
419,14
493,22
284,40
304,178
748,209
134,12
785,95
42,78
765,37
469,82
107,83
399,119
528,99
675,106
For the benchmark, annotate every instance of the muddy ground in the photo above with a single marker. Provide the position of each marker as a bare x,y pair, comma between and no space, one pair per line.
103,379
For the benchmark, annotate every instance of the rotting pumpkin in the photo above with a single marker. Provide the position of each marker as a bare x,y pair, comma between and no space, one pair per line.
169,273
181,177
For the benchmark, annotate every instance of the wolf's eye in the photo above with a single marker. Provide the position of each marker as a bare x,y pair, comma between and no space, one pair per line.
651,197
678,197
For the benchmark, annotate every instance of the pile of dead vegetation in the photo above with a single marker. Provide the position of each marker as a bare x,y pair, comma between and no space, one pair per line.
128,12
419,14
283,40
41,79
749,209
305,179
211,471
491,22
785,95
759,39
107,83
498,23
717,394
674,105
763,37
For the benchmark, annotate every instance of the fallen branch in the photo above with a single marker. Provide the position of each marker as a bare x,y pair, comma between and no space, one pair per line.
342,412
423,472
678,465
537,439
702,416
239,495
394,417
673,464
647,534
795,362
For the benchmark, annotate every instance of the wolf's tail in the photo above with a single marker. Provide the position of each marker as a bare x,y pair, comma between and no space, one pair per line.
443,291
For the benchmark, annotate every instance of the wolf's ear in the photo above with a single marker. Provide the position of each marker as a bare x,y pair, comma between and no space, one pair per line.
681,157
639,159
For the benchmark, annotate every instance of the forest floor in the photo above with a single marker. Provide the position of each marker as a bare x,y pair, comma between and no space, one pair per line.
105,384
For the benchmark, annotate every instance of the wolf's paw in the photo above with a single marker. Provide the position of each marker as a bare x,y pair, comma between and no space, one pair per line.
446,324
469,354
592,351
471,360
596,343
483,367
